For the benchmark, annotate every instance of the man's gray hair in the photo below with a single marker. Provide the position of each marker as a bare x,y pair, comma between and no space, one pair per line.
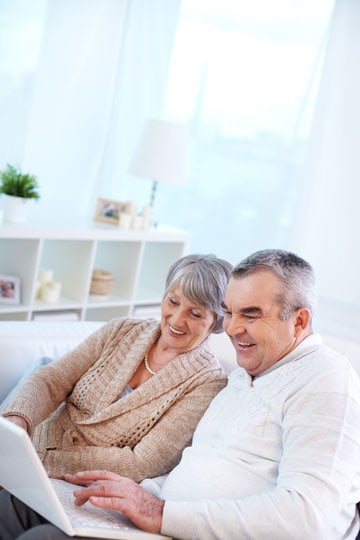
202,279
295,274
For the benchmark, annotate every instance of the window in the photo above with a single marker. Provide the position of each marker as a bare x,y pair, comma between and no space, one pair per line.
243,76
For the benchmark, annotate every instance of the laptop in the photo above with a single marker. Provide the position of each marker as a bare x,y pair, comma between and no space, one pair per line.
23,475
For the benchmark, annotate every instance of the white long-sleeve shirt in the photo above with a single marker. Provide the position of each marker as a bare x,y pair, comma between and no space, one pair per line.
274,457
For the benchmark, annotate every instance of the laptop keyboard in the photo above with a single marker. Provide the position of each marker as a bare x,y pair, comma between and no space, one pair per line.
87,515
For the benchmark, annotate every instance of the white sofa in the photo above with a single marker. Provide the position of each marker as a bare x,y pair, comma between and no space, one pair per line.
23,344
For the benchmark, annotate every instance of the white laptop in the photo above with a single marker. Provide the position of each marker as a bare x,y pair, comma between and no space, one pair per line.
23,475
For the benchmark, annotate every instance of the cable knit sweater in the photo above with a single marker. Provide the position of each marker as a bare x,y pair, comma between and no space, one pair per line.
77,421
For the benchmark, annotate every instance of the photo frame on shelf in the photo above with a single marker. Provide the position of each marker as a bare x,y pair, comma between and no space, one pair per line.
9,289
108,210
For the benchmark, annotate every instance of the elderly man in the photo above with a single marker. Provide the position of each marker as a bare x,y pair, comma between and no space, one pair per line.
277,453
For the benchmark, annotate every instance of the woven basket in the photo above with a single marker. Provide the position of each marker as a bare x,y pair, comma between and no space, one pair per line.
101,282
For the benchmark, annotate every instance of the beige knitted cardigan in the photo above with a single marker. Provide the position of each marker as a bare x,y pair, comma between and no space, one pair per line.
140,435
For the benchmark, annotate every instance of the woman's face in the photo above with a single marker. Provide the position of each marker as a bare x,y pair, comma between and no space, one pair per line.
184,324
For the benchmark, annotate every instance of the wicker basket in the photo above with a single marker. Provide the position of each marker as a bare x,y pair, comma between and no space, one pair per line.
101,282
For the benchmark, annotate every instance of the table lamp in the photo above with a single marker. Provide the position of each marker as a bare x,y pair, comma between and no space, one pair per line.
161,154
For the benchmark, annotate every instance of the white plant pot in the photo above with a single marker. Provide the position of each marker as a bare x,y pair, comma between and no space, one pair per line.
15,209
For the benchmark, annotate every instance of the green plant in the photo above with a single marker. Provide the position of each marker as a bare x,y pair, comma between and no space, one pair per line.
14,182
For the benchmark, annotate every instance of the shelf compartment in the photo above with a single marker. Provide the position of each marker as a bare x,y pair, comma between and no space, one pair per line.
106,313
70,261
18,257
64,303
147,311
122,260
13,315
57,315
98,300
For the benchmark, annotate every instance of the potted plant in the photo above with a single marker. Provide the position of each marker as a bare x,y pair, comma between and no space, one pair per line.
18,189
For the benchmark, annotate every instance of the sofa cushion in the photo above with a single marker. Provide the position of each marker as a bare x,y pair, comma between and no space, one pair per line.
23,343
42,362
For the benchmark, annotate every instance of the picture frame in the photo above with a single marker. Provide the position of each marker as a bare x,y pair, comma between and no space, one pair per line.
108,210
9,289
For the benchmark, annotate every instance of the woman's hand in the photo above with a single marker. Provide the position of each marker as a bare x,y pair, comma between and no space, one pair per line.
114,492
19,421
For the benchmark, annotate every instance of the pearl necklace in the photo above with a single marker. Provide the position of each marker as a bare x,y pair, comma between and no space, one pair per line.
147,365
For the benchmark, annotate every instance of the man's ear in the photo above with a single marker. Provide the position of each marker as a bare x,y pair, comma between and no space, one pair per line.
302,320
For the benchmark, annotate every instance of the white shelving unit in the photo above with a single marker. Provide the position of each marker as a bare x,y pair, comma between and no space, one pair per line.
138,259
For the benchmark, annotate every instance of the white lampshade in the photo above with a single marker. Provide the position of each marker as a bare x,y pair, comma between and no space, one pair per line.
161,152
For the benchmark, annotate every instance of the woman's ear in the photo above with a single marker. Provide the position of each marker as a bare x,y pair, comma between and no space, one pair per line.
302,320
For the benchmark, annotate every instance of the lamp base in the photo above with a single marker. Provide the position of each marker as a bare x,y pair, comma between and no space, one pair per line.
153,193
152,221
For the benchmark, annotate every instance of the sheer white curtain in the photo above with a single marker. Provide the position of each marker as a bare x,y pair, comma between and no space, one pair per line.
243,75
98,69
328,219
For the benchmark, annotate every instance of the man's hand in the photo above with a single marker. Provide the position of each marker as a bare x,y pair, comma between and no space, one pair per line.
114,492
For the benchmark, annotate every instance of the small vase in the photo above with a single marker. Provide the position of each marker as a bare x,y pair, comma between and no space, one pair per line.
15,209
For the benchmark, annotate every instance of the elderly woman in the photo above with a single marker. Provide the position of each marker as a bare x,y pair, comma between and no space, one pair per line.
129,397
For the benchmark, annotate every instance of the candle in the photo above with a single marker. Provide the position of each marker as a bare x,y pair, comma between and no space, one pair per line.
125,221
136,222
45,276
50,293
146,217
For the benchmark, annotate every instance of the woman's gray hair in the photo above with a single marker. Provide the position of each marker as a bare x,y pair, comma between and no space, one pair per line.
202,279
295,274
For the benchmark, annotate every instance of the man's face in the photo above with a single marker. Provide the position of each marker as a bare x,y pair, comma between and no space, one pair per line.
253,324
